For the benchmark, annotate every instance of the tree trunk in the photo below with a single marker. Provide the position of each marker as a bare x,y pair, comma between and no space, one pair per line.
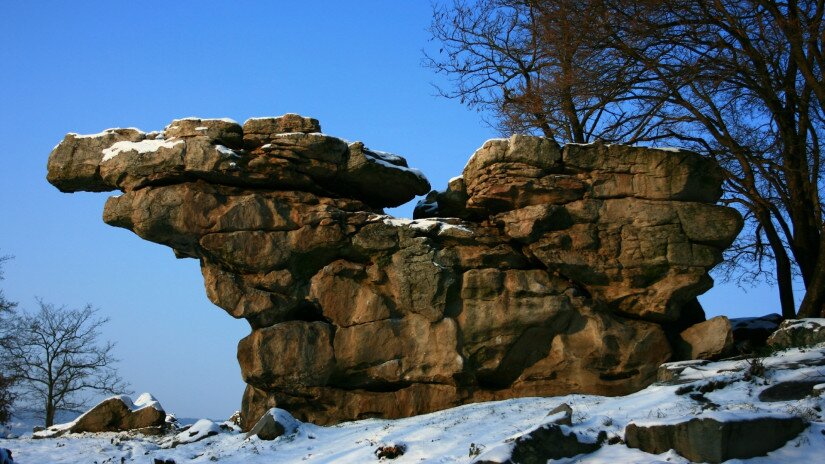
49,413
813,305
784,276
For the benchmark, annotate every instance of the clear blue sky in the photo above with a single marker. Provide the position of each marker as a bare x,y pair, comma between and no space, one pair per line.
87,66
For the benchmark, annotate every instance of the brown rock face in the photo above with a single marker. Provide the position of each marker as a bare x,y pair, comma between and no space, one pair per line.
557,271
710,339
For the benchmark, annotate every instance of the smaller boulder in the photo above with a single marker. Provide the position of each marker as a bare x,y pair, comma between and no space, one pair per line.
224,131
5,456
713,440
798,333
562,415
447,203
273,424
390,451
710,339
792,390
546,442
257,131
200,430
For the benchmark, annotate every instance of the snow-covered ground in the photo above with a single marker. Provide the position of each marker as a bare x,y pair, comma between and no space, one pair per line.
453,435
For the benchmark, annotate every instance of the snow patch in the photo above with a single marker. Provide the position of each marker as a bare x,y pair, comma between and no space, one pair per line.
142,147
195,118
388,160
424,225
226,151
102,133
146,400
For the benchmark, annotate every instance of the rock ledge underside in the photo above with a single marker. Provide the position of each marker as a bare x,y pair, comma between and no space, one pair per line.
542,270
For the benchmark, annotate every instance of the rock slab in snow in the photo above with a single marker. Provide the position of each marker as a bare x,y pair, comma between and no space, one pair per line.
115,414
715,441
546,442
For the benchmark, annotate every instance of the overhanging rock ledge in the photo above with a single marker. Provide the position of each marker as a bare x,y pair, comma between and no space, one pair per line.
540,271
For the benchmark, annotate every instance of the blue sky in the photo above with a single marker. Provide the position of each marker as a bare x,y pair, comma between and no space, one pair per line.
87,66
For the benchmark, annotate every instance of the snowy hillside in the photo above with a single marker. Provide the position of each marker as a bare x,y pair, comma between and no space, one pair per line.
725,390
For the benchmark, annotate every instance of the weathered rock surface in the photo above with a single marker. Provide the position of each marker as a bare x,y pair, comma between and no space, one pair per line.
559,270
114,414
710,339
714,441
798,333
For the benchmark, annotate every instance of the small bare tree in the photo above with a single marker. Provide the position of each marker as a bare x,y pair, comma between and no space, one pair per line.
5,305
56,355
6,380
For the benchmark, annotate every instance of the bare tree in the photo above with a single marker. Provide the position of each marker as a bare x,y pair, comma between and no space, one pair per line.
7,396
738,80
742,81
541,67
56,356
5,305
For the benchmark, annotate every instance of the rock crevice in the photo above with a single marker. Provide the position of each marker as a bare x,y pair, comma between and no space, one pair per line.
540,271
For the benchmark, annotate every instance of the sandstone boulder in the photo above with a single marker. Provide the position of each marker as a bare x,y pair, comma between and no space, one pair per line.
710,339
713,440
542,270
114,414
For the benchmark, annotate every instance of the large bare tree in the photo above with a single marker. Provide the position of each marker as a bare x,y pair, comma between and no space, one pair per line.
740,81
56,356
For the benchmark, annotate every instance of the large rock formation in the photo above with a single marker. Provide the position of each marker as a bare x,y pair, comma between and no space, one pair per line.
560,270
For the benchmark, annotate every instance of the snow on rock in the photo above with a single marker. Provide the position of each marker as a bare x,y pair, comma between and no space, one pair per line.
273,424
391,161
438,226
142,147
196,118
769,322
115,413
798,333
200,430
102,133
146,400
